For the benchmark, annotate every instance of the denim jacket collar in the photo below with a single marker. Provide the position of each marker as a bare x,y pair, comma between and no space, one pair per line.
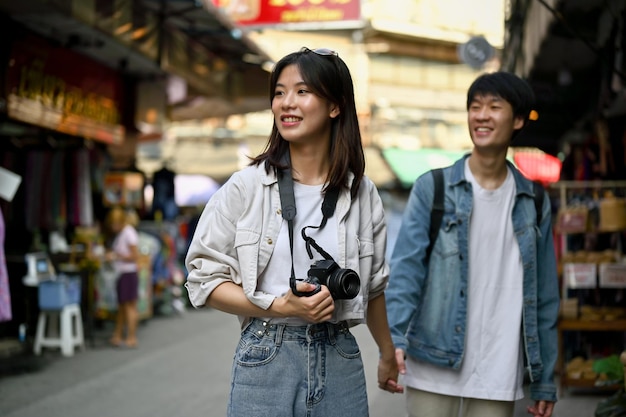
522,186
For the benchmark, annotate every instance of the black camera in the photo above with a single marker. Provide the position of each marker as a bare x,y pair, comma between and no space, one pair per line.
343,284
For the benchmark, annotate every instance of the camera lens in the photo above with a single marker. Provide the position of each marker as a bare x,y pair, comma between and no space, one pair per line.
344,284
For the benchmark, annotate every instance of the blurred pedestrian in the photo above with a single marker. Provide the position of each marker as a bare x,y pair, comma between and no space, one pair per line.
301,211
124,253
466,318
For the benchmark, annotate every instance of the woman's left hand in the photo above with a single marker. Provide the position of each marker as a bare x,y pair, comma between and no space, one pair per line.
388,375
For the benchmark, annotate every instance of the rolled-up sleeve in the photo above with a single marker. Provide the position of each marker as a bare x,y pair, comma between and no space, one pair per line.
380,269
211,259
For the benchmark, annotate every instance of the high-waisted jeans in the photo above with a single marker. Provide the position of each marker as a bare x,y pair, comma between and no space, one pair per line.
297,371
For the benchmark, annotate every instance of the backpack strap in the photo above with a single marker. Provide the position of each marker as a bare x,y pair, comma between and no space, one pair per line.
436,214
539,196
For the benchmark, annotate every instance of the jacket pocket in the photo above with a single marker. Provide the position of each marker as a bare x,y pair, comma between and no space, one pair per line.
366,248
447,243
245,237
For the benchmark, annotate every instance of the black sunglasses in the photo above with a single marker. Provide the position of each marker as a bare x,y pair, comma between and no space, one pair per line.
320,51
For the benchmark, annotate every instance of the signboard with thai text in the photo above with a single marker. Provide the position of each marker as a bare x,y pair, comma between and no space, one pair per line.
279,12
55,88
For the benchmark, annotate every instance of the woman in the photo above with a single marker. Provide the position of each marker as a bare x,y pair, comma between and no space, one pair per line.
296,355
124,254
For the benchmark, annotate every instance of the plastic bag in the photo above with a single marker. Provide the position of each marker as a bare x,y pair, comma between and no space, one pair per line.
614,406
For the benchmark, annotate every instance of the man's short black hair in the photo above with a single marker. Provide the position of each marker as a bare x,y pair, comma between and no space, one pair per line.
507,86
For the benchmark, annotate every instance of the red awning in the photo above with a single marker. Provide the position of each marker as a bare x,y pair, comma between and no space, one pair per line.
538,166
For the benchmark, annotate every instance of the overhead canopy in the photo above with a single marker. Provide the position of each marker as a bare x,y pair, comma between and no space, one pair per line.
152,39
410,164
568,51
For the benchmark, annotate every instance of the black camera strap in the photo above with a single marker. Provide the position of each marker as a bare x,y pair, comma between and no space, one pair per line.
288,207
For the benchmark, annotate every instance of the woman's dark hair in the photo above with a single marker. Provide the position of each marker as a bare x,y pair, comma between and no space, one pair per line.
508,86
327,76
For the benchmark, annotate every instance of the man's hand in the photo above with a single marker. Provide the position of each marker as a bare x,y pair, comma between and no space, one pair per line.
400,355
541,409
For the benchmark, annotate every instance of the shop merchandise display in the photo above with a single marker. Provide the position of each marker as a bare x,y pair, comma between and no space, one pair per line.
591,222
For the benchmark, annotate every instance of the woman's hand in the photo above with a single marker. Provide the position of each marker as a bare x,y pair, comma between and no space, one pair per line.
388,375
316,308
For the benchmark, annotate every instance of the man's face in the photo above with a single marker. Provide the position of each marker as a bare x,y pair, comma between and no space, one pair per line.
491,122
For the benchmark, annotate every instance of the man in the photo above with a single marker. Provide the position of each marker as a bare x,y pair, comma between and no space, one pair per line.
467,318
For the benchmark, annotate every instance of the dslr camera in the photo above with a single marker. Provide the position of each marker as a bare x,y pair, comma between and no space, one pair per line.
343,284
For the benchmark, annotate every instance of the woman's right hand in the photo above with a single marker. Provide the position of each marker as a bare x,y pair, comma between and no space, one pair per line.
316,308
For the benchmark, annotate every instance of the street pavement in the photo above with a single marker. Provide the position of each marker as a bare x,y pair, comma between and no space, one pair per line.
180,369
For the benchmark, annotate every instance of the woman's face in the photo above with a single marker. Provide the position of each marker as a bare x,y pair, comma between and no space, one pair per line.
300,115
116,221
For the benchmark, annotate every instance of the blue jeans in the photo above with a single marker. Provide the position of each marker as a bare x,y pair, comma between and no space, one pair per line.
297,371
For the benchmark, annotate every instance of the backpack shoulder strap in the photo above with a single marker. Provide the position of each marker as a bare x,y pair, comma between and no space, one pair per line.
539,196
436,215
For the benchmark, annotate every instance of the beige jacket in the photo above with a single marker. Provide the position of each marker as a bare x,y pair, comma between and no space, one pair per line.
235,236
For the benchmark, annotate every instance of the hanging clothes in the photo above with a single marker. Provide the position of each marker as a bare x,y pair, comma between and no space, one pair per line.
164,199
84,189
34,189
80,207
5,293
56,184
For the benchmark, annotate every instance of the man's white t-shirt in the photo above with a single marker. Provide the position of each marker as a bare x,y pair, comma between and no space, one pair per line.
492,366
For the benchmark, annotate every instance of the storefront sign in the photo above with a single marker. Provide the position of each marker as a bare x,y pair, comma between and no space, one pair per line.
273,12
56,88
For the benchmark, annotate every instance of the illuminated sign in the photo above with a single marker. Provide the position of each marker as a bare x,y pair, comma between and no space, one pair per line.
58,89
273,12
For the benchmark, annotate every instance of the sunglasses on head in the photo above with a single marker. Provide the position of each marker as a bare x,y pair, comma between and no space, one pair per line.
320,51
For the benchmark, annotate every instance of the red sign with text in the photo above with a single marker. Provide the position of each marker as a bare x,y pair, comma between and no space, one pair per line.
275,12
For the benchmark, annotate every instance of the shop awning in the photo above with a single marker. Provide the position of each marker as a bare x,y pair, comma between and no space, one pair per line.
224,71
407,165
537,165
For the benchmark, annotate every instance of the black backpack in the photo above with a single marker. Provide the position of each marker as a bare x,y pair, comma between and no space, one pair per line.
436,215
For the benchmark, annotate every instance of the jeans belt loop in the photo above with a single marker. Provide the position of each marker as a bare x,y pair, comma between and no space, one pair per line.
278,337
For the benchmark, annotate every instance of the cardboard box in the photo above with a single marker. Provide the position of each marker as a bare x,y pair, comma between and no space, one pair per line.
612,275
580,275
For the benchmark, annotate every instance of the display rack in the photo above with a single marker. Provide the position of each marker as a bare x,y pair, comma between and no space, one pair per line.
578,324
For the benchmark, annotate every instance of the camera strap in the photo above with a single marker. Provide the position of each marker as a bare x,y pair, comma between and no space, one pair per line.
288,208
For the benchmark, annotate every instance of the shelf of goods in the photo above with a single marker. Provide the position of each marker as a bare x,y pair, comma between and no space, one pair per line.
602,213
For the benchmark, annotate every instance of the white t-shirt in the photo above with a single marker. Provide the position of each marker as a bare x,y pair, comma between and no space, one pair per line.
275,278
492,366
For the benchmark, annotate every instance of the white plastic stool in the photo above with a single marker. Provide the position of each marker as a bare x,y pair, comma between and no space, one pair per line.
70,334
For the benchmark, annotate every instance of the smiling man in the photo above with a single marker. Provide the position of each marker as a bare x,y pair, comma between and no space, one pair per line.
470,316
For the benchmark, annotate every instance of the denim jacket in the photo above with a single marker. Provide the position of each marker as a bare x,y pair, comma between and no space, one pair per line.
426,300
237,231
